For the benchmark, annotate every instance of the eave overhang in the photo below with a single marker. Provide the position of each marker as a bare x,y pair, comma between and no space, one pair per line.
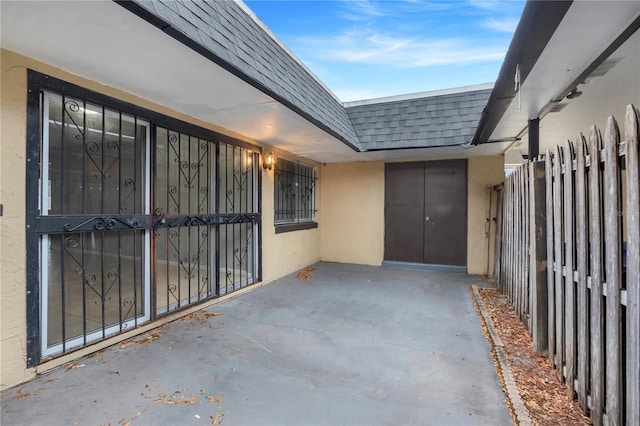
538,22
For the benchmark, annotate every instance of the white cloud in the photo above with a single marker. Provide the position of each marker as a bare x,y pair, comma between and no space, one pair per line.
506,25
375,48
487,4
360,10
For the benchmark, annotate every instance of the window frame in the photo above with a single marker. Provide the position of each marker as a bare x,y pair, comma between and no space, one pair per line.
296,174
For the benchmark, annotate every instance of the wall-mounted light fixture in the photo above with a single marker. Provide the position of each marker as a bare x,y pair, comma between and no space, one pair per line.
574,94
268,161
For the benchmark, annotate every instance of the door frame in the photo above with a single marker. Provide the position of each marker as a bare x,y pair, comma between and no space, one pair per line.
421,265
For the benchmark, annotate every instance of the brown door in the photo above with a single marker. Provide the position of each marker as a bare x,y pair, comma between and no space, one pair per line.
426,213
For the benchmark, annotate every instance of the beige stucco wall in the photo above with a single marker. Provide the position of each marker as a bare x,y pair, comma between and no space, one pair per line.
352,203
289,251
483,174
13,96
282,253
353,210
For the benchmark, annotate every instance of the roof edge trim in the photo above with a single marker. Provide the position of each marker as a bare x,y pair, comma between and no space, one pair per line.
176,34
284,47
538,23
420,95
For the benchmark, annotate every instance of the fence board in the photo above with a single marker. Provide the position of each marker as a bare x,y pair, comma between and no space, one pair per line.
570,346
559,280
595,261
497,251
521,244
633,268
526,248
550,259
518,243
612,270
593,352
581,264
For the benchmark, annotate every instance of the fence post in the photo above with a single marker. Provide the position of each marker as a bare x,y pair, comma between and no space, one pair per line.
596,326
497,253
580,189
550,257
538,268
570,298
613,270
557,250
632,124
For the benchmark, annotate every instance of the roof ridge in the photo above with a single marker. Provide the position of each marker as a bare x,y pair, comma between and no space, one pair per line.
420,95
284,47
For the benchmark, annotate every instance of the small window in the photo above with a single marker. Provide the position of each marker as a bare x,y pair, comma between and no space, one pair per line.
294,196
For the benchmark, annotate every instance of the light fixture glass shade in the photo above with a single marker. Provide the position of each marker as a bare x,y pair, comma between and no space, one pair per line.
268,161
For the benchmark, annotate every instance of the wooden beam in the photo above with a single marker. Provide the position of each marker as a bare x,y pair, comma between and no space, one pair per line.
538,269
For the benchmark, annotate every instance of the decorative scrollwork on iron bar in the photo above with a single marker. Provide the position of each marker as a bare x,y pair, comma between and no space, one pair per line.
130,184
94,284
71,242
70,245
93,150
72,107
102,223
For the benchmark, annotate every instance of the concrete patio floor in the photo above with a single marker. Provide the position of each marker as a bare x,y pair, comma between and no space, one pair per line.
354,345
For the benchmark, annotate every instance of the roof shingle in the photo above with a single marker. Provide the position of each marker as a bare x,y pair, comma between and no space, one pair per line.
418,122
233,35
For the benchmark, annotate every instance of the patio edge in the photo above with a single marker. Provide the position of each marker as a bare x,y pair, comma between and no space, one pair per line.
506,375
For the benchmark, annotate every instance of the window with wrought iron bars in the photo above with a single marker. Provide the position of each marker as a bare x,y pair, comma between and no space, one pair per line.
294,196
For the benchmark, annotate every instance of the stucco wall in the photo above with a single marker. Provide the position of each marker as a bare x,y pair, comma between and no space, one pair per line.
353,210
483,173
282,253
289,251
352,230
13,88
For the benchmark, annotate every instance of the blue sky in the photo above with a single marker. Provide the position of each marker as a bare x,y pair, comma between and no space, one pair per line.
364,49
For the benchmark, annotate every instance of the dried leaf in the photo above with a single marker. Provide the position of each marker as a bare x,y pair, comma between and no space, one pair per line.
20,395
542,393
305,274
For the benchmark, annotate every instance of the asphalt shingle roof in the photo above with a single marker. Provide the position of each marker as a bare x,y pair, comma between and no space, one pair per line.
232,35
430,121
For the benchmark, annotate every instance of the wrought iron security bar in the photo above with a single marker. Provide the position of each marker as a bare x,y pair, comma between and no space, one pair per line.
294,193
130,215
95,164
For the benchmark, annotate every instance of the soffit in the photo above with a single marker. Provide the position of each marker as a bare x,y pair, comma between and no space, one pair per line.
586,30
104,42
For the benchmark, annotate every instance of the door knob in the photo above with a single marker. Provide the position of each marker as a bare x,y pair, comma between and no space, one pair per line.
427,218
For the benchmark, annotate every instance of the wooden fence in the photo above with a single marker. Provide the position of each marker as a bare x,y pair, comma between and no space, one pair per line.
568,257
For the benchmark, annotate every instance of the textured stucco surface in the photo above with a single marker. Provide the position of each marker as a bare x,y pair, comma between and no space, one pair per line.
483,172
289,251
353,212
353,209
12,223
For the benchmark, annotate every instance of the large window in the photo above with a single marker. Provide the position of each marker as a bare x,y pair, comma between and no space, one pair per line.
294,196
